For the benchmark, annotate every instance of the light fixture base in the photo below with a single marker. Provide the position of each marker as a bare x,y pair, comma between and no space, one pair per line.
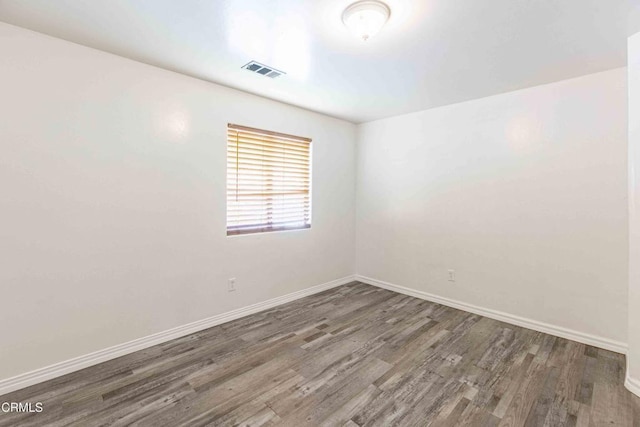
366,18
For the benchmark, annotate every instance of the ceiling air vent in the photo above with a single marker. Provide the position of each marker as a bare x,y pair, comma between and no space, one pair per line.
265,70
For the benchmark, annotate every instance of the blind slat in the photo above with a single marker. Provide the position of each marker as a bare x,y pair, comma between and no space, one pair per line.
246,173
267,160
272,221
272,144
270,150
261,199
251,144
276,181
268,167
267,133
289,216
288,197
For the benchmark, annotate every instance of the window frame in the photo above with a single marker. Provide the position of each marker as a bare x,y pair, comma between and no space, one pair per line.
259,228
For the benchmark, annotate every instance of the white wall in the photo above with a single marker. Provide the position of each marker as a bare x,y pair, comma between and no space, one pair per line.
112,206
522,194
633,355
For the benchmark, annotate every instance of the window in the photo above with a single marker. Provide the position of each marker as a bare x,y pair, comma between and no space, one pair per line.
268,181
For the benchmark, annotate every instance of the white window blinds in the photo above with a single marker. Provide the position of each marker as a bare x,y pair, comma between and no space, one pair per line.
268,181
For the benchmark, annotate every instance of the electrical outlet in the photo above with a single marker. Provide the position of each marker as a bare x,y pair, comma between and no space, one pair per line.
452,275
231,284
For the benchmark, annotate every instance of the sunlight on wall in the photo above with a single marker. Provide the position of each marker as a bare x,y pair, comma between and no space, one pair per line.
173,124
523,133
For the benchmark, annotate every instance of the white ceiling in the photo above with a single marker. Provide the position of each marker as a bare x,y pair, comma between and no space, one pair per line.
431,52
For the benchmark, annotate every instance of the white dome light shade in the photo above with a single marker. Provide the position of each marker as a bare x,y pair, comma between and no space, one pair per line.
366,18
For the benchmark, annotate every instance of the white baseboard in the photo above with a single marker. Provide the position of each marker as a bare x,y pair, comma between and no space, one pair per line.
601,342
632,384
81,362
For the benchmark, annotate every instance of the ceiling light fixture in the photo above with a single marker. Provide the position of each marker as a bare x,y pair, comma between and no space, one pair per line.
366,18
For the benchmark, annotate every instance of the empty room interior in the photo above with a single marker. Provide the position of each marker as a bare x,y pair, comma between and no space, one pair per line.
320,213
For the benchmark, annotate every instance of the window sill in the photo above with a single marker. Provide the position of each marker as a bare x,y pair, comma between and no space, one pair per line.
243,232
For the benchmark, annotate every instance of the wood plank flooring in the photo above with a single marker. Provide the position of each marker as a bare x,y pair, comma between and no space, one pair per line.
352,356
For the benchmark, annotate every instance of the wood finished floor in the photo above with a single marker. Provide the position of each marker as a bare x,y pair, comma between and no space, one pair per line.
351,356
